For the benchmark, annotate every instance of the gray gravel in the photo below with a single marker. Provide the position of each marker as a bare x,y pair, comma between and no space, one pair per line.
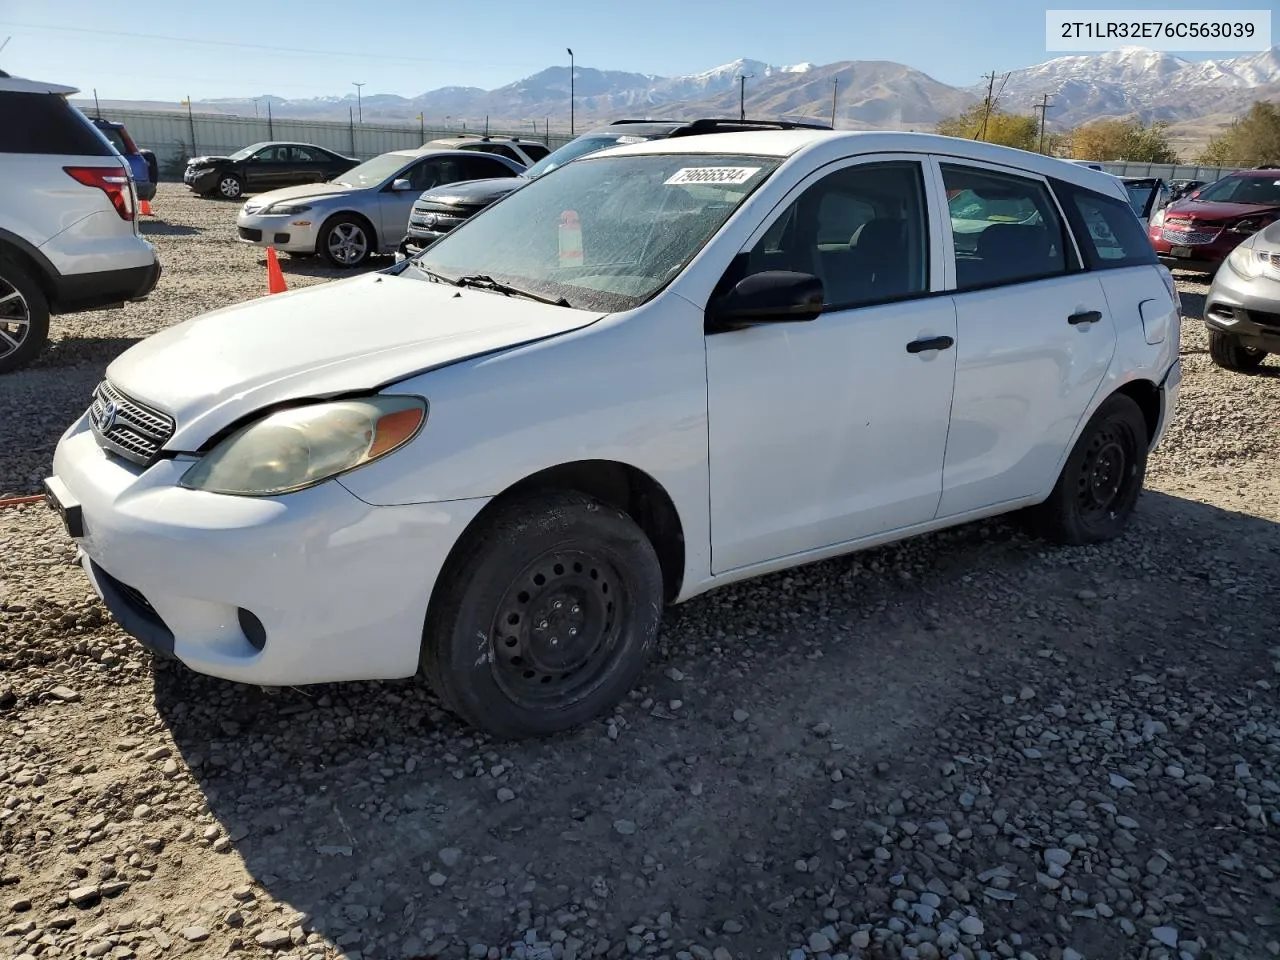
971,745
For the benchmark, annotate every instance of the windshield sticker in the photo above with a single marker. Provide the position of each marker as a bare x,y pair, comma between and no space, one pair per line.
631,139
712,175
570,239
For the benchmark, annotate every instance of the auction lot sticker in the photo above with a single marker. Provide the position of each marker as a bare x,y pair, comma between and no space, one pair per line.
1172,31
712,175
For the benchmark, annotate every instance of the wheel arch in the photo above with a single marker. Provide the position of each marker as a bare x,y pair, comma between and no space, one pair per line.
33,261
1146,395
621,485
375,242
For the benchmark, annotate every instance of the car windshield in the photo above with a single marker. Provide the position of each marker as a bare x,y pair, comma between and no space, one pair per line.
245,152
374,171
1243,190
585,144
604,234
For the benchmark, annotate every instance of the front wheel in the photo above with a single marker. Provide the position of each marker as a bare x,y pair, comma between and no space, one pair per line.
1230,354
545,617
345,242
230,187
1099,486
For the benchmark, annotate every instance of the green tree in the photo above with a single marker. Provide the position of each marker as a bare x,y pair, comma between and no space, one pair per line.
1251,141
1123,140
1007,129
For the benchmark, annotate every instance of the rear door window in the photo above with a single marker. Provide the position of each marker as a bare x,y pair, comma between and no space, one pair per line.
1106,228
45,123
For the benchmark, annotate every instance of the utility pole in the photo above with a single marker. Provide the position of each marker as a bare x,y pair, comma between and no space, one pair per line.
359,101
271,129
192,121
742,94
422,128
570,90
1043,107
986,107
255,106
97,110
351,126
835,88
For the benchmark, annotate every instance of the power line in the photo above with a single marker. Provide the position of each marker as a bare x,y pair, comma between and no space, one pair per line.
236,45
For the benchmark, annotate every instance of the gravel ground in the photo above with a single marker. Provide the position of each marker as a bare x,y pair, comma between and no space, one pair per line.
970,745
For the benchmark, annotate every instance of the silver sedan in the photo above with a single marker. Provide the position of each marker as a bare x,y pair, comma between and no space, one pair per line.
365,210
1242,311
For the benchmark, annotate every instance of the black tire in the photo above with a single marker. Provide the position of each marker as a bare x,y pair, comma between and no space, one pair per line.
229,187
24,316
1102,479
552,562
346,241
1230,354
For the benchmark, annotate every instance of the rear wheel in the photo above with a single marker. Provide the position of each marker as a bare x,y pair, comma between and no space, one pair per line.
1230,354
545,617
1099,486
24,316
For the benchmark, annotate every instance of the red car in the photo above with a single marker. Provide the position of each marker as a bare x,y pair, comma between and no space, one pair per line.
1199,231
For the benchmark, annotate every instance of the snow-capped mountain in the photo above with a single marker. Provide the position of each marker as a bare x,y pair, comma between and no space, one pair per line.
1123,82
1133,80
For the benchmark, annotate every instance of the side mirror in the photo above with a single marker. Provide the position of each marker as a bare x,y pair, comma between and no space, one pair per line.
774,296
401,184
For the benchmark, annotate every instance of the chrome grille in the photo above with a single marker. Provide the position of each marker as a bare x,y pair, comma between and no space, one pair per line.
126,427
1187,235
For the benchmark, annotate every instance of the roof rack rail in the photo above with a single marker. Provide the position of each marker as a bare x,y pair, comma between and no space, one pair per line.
708,124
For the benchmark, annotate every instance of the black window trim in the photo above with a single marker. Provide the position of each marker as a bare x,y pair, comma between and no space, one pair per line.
1072,256
1081,229
812,179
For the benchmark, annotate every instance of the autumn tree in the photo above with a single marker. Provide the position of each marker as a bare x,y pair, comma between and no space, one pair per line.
1251,141
1123,140
1007,129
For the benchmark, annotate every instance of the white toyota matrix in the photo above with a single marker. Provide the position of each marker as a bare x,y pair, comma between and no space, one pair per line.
659,369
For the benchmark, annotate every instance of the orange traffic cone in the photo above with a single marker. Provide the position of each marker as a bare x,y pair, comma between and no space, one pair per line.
146,208
275,278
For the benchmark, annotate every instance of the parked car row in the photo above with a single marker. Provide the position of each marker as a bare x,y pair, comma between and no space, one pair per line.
69,237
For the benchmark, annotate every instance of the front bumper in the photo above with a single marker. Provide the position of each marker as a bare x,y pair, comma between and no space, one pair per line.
1247,310
206,181
313,587
292,233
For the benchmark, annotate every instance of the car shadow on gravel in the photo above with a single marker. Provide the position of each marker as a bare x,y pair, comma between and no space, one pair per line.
317,266
750,778
158,228
75,351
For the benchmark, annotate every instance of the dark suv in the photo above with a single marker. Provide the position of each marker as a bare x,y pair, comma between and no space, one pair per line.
438,211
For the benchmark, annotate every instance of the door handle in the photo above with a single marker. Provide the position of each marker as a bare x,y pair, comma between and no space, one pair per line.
1085,316
929,343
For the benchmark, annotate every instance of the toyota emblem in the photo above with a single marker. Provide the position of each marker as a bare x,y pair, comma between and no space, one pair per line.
108,418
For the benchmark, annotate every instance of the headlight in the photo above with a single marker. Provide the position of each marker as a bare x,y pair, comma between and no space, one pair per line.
288,209
1244,261
302,446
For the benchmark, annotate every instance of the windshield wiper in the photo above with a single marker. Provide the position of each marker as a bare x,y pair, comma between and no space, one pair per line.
415,262
482,282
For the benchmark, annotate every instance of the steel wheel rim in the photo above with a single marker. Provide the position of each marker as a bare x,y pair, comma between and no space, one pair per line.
347,243
1104,472
557,629
15,318
230,188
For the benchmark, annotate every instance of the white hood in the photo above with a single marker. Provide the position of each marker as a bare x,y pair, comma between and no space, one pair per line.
350,335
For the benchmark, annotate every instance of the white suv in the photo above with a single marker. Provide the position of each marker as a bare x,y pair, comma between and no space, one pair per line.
68,231
717,357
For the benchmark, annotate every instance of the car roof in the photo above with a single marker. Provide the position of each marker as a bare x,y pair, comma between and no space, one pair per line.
477,138
443,151
836,143
11,84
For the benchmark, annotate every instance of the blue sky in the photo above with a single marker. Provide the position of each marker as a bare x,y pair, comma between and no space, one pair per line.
410,48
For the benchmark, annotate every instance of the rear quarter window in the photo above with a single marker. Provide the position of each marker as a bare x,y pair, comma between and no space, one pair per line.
1106,228
45,123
